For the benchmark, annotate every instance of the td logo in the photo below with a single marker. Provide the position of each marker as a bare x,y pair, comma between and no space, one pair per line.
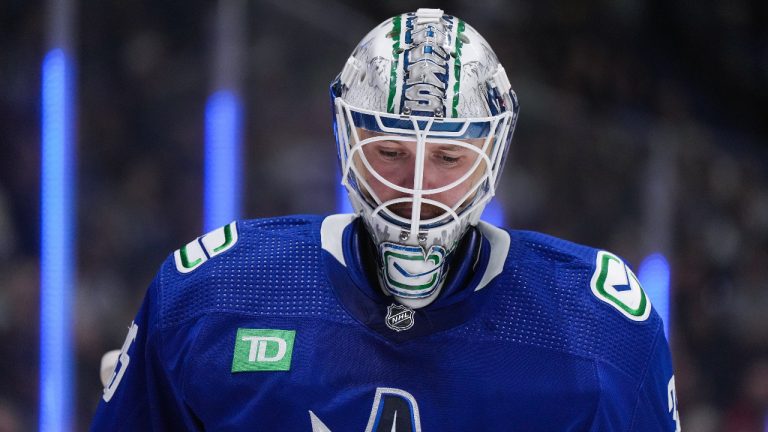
263,350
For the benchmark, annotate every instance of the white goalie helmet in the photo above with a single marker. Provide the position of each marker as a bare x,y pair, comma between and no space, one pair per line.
423,116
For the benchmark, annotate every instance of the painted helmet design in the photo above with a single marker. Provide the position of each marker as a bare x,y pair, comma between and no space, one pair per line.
423,117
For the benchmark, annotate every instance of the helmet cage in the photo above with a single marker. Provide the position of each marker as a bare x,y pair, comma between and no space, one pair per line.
495,132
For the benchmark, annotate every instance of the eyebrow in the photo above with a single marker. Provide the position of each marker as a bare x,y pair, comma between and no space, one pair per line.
450,147
442,147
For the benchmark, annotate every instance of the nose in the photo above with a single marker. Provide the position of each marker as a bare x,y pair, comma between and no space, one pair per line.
431,178
404,177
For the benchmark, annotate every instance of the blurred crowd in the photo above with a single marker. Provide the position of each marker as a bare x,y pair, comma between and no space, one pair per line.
643,129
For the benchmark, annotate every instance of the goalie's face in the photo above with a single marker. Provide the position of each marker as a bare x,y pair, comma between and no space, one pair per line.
444,176
420,180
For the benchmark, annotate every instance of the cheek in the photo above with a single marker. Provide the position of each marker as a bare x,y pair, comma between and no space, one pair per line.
380,189
399,173
394,173
452,196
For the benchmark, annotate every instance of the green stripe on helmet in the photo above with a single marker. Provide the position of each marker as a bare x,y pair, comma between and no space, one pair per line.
395,55
457,68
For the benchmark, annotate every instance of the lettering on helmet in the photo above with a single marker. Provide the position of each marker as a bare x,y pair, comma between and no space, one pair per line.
426,66
425,72
424,97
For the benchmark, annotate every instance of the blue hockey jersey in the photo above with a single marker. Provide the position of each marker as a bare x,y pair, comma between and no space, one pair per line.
274,325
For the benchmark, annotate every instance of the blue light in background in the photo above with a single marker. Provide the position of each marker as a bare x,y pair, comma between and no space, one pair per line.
654,275
223,182
342,198
494,213
56,242
765,422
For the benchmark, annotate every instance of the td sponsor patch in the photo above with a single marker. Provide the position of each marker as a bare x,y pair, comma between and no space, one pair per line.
263,350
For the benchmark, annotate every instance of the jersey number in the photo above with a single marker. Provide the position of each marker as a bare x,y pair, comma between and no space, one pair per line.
120,368
672,403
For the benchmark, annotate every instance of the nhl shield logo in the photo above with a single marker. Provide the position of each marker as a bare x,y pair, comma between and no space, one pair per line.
399,317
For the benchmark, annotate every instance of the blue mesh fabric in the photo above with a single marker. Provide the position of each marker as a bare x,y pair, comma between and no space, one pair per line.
274,269
535,338
543,298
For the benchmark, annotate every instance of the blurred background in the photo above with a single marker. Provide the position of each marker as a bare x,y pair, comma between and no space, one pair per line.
643,129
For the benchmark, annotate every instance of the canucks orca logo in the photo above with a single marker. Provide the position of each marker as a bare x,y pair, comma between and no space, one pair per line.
409,272
393,410
198,251
615,284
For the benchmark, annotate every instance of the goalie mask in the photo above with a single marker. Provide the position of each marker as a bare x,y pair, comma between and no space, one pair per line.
423,117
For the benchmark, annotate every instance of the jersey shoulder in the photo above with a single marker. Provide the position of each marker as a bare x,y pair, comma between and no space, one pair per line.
574,298
584,273
253,267
258,238
536,246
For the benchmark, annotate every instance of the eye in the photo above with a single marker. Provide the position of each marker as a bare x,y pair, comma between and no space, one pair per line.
447,159
390,154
